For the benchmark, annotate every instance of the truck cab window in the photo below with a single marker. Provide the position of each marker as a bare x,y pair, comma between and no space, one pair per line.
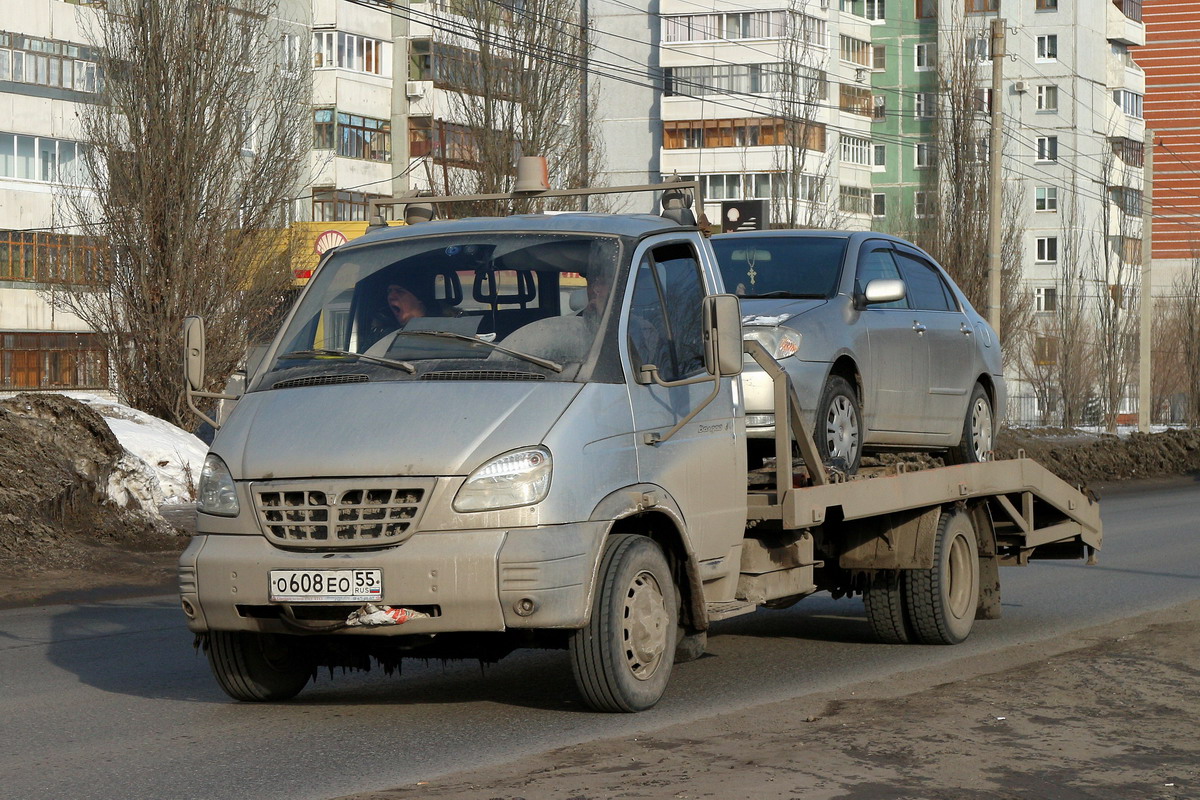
664,322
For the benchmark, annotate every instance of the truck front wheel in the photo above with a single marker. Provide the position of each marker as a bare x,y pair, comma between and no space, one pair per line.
942,600
622,658
258,667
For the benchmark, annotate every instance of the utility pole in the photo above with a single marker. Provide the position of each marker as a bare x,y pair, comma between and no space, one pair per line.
1146,302
995,176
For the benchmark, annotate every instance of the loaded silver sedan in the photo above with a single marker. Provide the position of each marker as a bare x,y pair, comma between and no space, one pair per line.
884,351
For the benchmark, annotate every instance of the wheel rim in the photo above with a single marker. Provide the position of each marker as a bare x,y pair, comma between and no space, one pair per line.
960,594
645,626
981,429
841,428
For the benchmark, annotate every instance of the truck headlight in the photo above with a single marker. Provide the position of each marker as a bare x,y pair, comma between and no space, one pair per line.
780,342
217,493
519,478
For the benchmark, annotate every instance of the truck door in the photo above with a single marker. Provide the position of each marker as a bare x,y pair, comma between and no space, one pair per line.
947,335
703,466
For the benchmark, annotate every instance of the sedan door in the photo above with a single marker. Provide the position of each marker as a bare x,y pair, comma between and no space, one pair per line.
949,344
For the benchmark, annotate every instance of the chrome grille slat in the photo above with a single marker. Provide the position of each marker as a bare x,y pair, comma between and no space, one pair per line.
339,513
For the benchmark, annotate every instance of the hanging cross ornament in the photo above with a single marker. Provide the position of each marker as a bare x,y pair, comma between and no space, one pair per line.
750,273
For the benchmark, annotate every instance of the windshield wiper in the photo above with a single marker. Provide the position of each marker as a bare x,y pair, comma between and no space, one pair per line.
783,293
387,362
462,337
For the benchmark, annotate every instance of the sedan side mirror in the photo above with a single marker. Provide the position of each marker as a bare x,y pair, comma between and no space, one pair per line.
884,290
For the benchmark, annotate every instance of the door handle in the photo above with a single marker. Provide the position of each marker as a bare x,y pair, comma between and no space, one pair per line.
918,327
965,328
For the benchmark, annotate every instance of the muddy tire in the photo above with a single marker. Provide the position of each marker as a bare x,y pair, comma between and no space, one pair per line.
885,604
839,428
978,434
942,601
259,667
622,658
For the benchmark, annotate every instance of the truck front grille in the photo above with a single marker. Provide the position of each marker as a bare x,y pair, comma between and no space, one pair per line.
336,514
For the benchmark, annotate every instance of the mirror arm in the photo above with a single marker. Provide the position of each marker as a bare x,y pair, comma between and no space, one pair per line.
192,394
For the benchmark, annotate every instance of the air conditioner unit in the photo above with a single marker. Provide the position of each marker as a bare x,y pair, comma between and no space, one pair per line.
1020,86
414,89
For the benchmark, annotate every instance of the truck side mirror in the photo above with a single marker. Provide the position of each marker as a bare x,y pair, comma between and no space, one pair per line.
723,327
193,353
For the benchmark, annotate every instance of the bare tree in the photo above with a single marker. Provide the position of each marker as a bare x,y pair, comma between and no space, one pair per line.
513,73
192,161
954,227
1116,270
1177,342
803,159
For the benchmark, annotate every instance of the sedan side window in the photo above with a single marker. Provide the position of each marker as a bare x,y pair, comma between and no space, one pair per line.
664,321
878,263
926,289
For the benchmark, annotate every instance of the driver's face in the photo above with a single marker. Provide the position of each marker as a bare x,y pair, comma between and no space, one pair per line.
404,304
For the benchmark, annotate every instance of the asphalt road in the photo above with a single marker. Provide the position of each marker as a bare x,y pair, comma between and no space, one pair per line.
109,700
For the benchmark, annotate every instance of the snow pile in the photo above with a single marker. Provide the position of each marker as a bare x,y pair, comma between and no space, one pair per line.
162,463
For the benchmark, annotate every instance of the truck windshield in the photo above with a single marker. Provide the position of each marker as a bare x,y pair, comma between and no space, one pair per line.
476,304
780,266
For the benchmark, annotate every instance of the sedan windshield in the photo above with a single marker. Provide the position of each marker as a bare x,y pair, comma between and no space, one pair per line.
473,304
780,266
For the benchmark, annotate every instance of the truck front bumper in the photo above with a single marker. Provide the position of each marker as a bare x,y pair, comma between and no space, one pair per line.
480,580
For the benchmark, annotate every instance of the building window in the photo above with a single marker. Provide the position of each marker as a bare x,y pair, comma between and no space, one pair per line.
352,136
1047,98
922,204
1047,249
53,361
979,49
926,9
330,205
1130,151
856,100
1047,47
335,49
700,81
41,159
879,57
1046,198
856,150
745,132
47,62
733,26
878,107
855,200
983,101
1045,351
926,155
1045,298
880,157
925,104
879,205
926,54
982,5
1046,5
47,258
1129,102
1128,200
1047,148
1130,8
751,186
875,9
856,51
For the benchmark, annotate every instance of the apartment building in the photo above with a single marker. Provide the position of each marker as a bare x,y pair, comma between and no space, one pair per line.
1170,58
47,72
770,102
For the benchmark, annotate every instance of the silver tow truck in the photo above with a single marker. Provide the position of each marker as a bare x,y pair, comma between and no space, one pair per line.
479,435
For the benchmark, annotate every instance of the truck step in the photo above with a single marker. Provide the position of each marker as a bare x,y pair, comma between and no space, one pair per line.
731,608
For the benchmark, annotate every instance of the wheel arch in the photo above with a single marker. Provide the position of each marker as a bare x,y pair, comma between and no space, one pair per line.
648,510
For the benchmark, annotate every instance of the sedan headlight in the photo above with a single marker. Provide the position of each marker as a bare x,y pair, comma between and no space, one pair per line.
780,342
217,493
520,478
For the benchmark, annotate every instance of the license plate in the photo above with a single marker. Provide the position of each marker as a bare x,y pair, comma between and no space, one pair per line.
326,585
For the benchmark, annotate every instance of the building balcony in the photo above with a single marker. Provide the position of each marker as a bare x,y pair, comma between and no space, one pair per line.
1124,23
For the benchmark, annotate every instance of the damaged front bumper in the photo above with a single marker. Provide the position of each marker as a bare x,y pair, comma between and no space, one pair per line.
435,582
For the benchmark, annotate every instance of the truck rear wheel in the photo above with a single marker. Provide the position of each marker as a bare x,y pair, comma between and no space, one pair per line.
885,604
622,658
258,667
942,601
